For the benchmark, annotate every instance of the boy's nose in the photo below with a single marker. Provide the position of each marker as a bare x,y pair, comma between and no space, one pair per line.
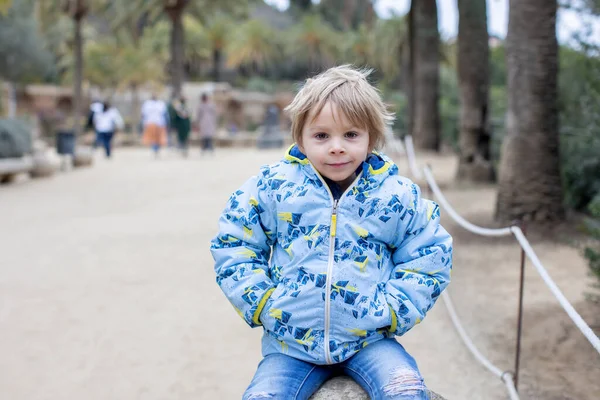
336,147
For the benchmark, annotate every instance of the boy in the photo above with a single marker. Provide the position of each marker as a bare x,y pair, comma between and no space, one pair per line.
333,252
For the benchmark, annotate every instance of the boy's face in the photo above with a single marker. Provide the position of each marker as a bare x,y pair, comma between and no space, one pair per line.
333,146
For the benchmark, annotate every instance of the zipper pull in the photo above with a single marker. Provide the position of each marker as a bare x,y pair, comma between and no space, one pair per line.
334,218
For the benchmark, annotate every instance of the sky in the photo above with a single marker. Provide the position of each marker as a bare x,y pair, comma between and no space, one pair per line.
568,23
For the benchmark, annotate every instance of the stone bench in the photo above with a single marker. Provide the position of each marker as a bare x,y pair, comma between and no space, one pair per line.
345,388
10,167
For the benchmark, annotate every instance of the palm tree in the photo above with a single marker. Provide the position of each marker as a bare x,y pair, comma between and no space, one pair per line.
217,31
253,44
100,58
473,79
529,177
390,45
313,43
347,15
175,10
359,46
197,47
77,11
138,65
425,75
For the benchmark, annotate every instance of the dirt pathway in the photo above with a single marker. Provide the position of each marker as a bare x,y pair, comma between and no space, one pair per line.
107,291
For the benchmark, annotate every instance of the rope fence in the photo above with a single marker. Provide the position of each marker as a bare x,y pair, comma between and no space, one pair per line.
505,376
508,378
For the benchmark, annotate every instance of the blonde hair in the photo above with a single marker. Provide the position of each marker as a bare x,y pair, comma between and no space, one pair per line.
357,99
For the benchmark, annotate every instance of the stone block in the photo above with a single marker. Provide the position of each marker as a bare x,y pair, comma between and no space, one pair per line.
83,157
344,388
45,163
11,167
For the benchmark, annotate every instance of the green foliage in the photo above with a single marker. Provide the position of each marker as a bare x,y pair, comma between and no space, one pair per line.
23,57
580,124
15,138
498,106
313,43
390,40
253,44
258,84
449,106
398,103
592,252
497,66
5,6
346,15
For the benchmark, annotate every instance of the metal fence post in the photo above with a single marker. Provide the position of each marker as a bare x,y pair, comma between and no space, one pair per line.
521,224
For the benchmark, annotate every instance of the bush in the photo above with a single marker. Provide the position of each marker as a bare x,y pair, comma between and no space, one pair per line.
15,138
449,107
398,104
258,84
580,123
592,252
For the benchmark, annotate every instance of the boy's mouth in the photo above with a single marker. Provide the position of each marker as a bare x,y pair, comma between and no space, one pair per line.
338,165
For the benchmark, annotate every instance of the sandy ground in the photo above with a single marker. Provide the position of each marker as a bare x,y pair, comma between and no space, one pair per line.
107,291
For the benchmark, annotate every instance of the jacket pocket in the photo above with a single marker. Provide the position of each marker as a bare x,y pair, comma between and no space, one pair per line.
274,320
369,316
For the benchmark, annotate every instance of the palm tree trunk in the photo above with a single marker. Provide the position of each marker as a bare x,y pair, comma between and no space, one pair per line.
216,65
409,82
426,75
78,74
530,185
473,80
348,14
175,13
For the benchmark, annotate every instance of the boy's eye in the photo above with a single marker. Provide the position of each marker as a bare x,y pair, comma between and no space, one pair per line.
321,135
351,134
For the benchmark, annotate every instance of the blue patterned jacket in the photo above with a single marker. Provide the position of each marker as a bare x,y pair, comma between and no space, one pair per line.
326,277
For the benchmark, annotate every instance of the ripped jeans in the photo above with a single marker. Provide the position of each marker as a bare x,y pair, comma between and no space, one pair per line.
383,369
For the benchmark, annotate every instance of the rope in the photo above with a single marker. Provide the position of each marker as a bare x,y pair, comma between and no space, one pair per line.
460,220
506,377
579,322
412,162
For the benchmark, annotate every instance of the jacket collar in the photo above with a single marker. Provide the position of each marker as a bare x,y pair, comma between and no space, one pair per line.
375,168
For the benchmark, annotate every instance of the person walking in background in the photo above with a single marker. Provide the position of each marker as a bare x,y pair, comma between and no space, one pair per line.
96,106
155,119
106,121
181,123
171,129
207,123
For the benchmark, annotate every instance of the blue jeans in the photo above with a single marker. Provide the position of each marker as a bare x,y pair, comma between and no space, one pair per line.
105,139
383,369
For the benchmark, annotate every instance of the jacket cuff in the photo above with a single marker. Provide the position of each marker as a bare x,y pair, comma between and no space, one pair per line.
261,304
394,324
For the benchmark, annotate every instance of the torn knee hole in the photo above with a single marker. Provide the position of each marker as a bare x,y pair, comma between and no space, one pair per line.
258,396
404,381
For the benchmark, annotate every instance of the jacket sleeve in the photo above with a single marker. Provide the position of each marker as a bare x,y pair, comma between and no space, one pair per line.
242,249
422,260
